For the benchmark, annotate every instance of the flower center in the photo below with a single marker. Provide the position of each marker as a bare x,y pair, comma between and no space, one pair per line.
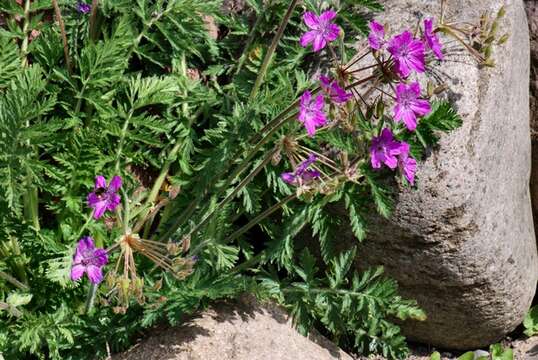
404,51
88,257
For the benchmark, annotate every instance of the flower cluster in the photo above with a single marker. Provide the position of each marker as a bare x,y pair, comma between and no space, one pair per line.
407,51
89,259
403,54
408,55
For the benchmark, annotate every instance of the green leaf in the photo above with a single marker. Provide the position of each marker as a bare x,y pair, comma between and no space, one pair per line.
17,299
469,355
443,118
531,322
499,353
435,356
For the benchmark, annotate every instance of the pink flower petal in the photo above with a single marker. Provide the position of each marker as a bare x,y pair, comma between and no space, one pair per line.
376,163
421,107
327,16
391,161
99,209
101,257
115,183
310,128
311,20
333,31
100,182
410,119
307,38
319,103
319,43
95,273
288,177
77,271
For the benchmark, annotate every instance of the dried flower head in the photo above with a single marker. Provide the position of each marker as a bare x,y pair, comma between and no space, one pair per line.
124,278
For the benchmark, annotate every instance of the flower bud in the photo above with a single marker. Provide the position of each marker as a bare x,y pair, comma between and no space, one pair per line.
502,12
380,109
503,39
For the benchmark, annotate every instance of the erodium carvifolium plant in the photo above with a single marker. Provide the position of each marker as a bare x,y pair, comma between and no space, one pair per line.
160,155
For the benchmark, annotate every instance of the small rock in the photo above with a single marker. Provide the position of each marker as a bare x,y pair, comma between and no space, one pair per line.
480,353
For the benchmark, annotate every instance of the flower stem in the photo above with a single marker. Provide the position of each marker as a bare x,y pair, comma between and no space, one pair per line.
122,140
88,220
13,281
162,175
231,195
13,310
271,50
60,20
93,20
126,212
30,197
90,299
250,39
259,218
25,29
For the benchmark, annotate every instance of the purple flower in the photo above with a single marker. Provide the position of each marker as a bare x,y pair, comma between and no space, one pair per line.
89,260
384,150
104,198
83,8
336,93
431,39
311,112
407,165
409,106
376,38
408,53
302,174
322,31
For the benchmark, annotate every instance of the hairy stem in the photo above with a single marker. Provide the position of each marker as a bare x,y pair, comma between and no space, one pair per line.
90,299
58,14
93,21
163,174
271,50
232,194
238,188
14,311
122,140
259,218
25,31
13,281
88,220
249,42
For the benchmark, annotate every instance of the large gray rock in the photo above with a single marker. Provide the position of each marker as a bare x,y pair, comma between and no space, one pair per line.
531,6
244,330
463,244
